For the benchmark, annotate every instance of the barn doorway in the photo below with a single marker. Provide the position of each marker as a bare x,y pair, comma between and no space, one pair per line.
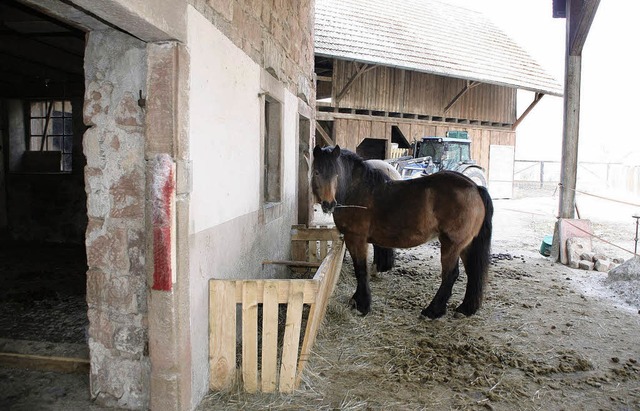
43,214
372,148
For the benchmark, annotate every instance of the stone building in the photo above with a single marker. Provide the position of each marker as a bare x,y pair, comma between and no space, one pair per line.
168,138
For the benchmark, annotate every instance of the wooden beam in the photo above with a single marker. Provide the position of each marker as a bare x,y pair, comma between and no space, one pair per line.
535,101
323,133
581,15
324,78
359,72
45,363
468,86
292,263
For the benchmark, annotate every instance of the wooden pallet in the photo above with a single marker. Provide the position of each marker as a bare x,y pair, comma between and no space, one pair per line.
249,312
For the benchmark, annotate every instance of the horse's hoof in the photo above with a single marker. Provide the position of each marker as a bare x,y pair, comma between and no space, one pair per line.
466,309
432,313
363,309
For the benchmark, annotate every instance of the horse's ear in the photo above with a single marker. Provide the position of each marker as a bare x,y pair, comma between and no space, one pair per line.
316,151
336,151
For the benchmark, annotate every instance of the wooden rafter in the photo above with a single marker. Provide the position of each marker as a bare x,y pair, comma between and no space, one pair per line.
323,133
582,14
468,86
359,72
535,101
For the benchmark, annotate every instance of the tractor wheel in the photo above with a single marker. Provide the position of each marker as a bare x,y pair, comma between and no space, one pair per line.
476,175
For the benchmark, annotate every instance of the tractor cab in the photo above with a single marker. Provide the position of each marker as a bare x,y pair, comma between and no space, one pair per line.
446,153
433,154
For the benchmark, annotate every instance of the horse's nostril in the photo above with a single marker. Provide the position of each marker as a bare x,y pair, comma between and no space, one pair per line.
327,206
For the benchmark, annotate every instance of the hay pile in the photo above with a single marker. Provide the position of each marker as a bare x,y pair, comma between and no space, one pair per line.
526,349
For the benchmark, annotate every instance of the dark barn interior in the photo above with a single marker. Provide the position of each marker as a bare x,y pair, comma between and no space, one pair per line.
43,210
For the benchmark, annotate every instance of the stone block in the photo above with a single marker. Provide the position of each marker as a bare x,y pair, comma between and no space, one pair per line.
585,265
576,247
602,265
587,256
100,329
128,196
599,256
131,340
96,286
108,251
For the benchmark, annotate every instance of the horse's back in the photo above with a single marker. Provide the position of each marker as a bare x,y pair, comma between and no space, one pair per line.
444,202
386,168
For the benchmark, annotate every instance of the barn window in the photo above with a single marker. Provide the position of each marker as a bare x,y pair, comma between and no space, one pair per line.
272,93
272,149
50,136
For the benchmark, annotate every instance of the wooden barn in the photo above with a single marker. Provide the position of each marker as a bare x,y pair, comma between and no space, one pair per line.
389,73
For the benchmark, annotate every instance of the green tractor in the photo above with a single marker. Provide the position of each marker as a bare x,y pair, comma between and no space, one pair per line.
433,154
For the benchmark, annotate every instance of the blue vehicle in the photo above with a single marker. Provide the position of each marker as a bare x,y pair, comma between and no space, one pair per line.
433,154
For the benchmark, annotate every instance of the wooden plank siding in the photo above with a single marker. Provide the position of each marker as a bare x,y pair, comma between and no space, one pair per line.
393,90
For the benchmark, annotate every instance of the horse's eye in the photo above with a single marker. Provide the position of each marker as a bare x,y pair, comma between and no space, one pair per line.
316,173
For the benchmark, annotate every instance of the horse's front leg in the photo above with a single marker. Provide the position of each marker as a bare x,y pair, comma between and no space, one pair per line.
358,247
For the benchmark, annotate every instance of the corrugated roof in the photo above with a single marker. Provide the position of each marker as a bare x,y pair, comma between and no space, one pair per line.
428,36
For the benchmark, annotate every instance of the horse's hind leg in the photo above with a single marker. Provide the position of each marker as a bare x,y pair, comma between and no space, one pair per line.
449,255
357,247
475,266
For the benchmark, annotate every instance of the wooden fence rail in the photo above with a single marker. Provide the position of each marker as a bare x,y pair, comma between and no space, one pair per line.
249,313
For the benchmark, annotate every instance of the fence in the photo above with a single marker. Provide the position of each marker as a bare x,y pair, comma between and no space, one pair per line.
617,177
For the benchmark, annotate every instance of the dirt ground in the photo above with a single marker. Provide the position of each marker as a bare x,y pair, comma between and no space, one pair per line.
547,337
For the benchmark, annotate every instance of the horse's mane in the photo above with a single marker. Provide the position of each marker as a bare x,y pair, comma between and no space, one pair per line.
371,176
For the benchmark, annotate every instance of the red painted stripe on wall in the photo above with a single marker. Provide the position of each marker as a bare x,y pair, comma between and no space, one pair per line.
163,187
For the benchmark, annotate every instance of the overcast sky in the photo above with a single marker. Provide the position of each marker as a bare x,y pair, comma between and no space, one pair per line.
610,90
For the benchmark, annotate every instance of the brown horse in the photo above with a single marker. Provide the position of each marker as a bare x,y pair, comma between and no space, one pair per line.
369,208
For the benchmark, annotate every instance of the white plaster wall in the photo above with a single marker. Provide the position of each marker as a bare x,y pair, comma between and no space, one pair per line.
228,237
224,126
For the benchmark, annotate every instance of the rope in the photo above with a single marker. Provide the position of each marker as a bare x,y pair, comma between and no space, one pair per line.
599,238
601,197
350,206
575,226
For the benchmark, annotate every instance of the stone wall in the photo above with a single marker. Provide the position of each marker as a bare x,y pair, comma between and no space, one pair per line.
276,34
115,70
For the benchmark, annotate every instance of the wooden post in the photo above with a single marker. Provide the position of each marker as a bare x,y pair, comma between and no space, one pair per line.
580,15
569,161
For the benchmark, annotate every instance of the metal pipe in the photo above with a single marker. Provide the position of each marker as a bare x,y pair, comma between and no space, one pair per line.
635,249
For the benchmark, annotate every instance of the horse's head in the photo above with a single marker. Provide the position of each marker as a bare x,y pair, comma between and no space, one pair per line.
324,178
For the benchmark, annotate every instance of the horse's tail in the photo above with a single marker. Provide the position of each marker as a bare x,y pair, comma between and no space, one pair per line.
383,258
478,257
